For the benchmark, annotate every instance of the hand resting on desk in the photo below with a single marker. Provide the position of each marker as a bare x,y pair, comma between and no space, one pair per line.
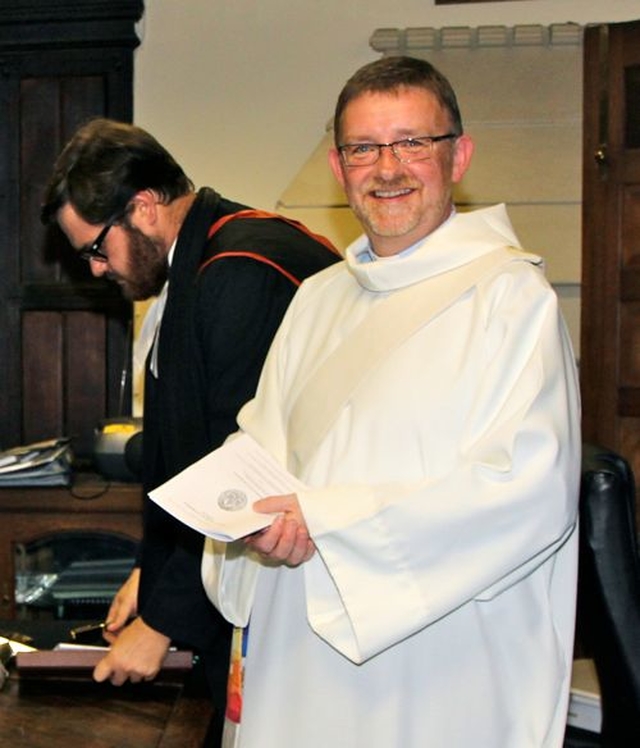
136,655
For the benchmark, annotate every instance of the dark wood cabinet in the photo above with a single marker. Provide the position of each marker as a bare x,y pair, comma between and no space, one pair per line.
64,336
610,360
91,505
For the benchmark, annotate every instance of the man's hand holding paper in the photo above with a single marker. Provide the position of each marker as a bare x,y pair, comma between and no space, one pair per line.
215,496
287,538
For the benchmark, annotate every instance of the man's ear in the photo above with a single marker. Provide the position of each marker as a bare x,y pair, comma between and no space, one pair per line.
335,162
145,208
463,151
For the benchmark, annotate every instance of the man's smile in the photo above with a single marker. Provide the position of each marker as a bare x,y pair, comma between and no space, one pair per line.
391,193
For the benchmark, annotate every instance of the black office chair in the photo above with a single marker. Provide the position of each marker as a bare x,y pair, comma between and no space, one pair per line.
608,623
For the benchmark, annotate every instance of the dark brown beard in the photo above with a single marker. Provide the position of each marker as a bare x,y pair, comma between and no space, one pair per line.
147,267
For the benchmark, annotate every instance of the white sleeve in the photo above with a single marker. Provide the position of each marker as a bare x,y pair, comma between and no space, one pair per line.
393,558
229,576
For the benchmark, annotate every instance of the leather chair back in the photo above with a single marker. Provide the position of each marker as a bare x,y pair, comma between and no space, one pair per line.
609,591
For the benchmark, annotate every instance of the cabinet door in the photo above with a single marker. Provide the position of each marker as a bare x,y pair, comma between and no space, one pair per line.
64,337
610,336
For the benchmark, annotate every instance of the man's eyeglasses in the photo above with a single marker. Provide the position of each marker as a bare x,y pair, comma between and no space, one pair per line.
406,150
93,251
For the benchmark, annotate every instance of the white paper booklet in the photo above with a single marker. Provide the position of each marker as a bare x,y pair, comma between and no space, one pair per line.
215,495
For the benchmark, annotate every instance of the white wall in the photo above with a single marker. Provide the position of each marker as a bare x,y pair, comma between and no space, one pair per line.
241,90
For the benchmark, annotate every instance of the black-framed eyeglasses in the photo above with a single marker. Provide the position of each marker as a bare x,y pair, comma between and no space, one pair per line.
406,150
93,251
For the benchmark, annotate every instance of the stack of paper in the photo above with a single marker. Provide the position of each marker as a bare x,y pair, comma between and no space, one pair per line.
46,463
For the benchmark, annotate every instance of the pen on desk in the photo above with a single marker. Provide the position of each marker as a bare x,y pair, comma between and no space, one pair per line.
82,632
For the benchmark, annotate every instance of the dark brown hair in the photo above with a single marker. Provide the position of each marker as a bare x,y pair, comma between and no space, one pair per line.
104,165
391,74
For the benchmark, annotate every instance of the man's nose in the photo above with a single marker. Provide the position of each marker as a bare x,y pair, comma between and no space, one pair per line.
98,267
387,160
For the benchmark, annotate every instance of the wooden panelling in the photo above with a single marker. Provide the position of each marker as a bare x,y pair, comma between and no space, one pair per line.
629,361
68,103
64,336
85,376
630,236
610,371
42,377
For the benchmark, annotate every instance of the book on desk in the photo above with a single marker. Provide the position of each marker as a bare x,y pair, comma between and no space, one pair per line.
69,661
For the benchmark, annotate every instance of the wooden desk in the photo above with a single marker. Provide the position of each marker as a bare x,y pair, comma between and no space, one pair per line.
79,713
41,714
90,504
